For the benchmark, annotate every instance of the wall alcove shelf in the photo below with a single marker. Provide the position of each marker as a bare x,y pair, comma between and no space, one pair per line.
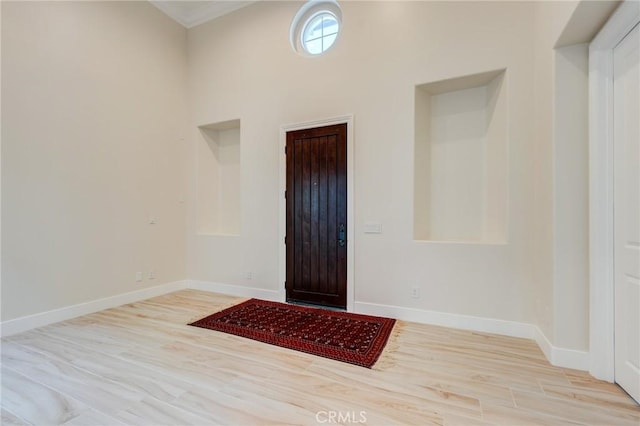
218,178
461,164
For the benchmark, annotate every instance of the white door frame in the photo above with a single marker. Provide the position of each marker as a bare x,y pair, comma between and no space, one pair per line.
601,274
348,119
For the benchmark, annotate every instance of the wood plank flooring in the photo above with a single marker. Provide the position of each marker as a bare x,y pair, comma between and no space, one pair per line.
140,364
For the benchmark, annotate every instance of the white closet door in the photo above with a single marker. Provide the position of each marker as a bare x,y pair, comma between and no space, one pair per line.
626,145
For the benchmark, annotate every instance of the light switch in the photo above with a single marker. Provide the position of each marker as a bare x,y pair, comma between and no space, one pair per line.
372,228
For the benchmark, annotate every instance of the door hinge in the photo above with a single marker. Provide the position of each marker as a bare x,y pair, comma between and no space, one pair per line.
285,193
285,239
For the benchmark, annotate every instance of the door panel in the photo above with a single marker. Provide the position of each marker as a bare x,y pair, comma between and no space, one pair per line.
316,208
626,146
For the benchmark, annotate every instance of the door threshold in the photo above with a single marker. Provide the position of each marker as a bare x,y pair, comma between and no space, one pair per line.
312,305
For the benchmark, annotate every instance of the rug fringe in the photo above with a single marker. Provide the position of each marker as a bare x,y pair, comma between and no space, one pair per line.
387,358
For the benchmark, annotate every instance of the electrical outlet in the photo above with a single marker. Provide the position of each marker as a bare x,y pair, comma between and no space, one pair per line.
249,275
151,274
138,276
415,292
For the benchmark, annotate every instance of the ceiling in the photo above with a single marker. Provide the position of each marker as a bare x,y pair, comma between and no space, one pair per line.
192,13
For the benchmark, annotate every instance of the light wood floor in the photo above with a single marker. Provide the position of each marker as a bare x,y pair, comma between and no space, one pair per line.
140,364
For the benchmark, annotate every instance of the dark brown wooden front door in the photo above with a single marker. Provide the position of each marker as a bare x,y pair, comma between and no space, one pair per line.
317,216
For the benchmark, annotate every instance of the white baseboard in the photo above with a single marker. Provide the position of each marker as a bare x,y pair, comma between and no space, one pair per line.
18,325
560,357
464,322
234,290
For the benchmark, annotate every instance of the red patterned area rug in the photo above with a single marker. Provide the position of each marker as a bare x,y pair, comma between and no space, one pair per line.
352,338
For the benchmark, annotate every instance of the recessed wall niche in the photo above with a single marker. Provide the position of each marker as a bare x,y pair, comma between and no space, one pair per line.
218,178
461,163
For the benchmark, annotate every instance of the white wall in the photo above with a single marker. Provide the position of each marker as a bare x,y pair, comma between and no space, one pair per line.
386,49
93,110
571,196
218,181
458,144
550,19
561,288
0,162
